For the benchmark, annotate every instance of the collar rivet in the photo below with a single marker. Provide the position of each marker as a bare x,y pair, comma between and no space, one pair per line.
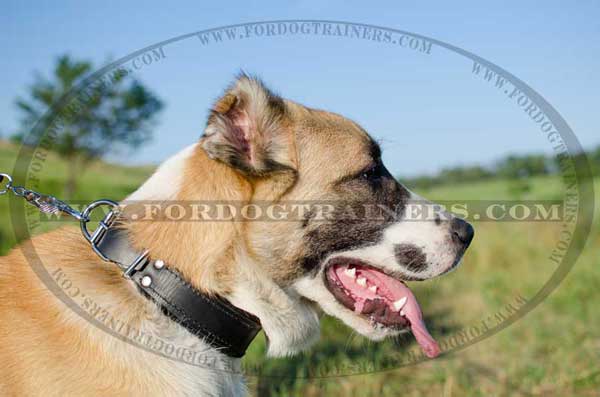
146,281
159,264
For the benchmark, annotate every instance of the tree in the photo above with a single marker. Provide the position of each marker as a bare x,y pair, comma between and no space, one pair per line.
114,113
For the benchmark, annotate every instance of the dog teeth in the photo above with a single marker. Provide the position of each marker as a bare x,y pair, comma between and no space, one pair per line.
402,312
361,281
351,272
399,304
373,289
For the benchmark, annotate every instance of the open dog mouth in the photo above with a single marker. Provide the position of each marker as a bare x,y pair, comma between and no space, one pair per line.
382,299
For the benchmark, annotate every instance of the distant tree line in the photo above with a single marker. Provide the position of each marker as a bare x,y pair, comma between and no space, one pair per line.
512,167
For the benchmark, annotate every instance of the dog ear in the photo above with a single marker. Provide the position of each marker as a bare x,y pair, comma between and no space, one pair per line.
248,129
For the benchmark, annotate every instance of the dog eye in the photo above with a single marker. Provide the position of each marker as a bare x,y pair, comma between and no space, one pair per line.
372,174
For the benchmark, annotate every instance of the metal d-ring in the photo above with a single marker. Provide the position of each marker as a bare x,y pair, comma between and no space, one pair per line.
102,226
8,186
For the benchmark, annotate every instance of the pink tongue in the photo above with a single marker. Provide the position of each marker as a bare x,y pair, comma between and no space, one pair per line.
412,312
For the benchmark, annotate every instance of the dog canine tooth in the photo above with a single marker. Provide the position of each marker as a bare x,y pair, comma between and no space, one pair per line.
399,304
351,272
402,312
361,281
373,288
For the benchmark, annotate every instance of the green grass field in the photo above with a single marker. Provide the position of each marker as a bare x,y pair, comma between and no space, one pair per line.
554,350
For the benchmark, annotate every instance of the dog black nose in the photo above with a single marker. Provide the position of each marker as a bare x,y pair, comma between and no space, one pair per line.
462,231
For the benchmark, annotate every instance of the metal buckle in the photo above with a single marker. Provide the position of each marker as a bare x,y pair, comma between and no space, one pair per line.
131,269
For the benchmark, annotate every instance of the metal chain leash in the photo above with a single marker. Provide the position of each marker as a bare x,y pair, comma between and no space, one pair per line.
51,205
45,203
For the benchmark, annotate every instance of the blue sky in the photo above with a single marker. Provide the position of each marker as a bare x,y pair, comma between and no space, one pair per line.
428,110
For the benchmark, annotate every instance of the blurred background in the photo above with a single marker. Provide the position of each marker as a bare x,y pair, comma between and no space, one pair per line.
446,133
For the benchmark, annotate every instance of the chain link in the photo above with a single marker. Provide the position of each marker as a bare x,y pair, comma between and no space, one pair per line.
45,203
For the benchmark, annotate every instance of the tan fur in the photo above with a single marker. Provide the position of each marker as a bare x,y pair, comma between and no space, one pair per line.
178,242
47,349
329,148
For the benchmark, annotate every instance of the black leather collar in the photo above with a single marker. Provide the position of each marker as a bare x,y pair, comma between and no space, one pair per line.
222,325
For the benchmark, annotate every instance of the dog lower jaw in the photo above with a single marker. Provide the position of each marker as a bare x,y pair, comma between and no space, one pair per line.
289,321
295,333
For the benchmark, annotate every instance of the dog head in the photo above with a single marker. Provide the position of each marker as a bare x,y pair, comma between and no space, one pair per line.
337,230
351,243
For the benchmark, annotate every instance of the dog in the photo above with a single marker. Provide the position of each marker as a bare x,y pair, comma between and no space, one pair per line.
256,148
